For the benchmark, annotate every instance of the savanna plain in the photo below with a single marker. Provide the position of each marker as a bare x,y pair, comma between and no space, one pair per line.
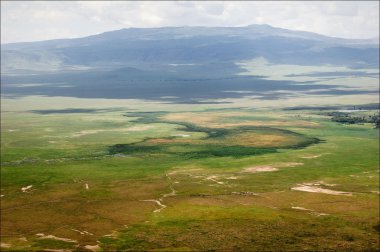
183,178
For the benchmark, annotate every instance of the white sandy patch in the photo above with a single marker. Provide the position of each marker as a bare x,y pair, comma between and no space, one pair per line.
316,189
265,168
319,214
53,237
26,188
377,192
301,208
5,245
86,186
93,247
2,195
13,130
181,135
233,177
23,239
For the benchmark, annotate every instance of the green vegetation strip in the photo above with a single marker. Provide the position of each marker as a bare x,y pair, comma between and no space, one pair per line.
211,145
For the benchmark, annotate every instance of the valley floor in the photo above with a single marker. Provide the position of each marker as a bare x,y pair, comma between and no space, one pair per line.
188,180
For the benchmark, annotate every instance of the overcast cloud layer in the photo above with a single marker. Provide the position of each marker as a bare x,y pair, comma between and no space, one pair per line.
33,21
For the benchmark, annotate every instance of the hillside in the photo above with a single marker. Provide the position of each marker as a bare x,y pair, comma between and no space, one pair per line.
187,64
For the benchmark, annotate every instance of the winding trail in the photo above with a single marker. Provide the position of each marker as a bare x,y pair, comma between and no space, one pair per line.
160,200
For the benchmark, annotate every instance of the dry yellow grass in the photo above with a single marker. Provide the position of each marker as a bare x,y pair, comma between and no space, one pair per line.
262,140
65,210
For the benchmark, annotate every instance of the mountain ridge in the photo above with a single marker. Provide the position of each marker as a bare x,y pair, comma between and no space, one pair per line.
137,47
257,27
189,63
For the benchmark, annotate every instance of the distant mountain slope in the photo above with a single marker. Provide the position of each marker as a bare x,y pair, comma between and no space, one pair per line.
175,45
190,65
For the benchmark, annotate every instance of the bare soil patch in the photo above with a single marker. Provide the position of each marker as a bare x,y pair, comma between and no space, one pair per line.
265,168
43,236
270,168
26,188
315,189
93,247
5,245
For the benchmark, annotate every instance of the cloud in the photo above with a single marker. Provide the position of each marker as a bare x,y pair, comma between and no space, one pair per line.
41,20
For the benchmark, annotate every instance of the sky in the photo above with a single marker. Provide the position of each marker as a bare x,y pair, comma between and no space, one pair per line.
42,20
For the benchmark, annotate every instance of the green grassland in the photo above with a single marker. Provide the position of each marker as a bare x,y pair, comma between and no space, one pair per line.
171,180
